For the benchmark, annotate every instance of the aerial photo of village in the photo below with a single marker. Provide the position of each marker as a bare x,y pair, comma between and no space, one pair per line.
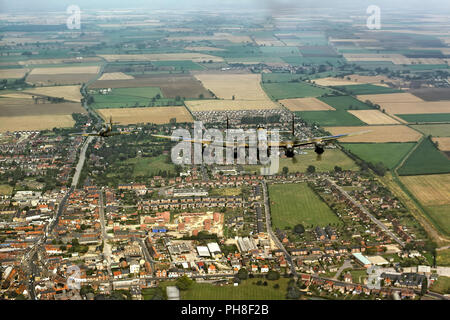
93,205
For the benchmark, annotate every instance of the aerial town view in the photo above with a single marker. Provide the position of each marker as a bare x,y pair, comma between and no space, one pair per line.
224,150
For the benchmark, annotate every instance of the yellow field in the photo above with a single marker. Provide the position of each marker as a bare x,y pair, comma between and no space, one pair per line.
115,76
66,70
305,104
373,117
394,133
443,143
354,79
27,123
157,115
430,190
406,103
12,73
70,93
222,105
241,86
390,98
196,57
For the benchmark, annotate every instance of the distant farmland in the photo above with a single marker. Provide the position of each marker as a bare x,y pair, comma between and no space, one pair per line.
426,159
290,90
157,115
345,103
436,130
388,133
358,89
389,154
427,117
330,118
293,204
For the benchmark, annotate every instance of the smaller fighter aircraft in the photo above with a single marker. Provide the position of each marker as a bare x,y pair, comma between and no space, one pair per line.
105,131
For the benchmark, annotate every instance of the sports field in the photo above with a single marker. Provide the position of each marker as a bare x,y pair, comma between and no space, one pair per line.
148,166
389,154
293,204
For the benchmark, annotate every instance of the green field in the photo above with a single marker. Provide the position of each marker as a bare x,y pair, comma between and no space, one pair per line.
330,159
178,65
330,118
298,61
390,154
443,257
291,204
5,189
436,130
439,214
426,159
245,291
126,97
425,117
289,90
341,103
149,166
359,89
281,77
442,285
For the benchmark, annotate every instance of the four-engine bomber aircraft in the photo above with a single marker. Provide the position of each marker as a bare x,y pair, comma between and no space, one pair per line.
105,131
288,146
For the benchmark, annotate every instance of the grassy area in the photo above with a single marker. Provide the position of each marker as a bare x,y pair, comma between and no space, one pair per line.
330,159
5,189
150,166
330,118
245,291
425,117
341,103
390,154
292,204
443,257
442,285
358,276
298,61
441,217
225,192
359,89
289,90
436,130
126,97
281,77
426,159
178,65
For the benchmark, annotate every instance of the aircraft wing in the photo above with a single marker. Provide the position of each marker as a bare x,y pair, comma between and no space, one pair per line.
326,138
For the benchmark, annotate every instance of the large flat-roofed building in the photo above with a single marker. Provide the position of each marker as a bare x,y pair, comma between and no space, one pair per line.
362,260
203,251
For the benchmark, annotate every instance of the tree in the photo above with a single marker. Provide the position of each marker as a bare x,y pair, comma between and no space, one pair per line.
242,274
299,229
311,169
273,275
183,283
293,293
337,169
424,287
285,170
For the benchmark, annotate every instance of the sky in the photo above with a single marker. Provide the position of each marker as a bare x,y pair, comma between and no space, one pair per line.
61,5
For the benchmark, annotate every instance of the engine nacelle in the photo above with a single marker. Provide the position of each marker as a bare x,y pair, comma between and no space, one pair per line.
289,152
319,149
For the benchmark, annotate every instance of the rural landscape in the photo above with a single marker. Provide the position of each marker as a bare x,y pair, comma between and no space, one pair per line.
93,206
